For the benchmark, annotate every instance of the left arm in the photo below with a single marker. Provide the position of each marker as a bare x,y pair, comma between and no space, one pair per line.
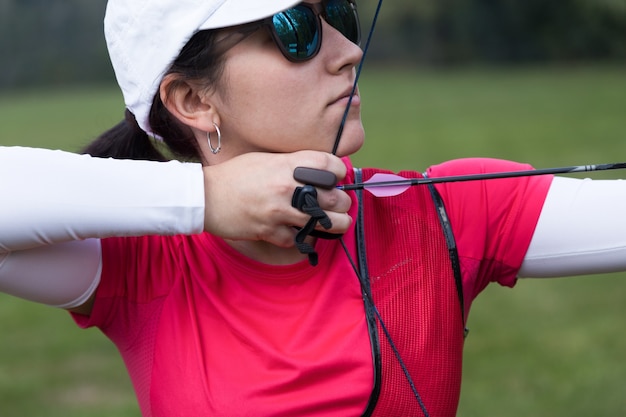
581,230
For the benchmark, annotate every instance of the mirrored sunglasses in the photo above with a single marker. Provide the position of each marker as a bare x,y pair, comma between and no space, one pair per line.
298,31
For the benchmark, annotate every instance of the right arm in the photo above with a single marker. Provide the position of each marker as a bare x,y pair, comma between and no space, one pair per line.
56,205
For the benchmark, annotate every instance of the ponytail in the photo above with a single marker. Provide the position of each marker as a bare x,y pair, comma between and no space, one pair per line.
200,61
126,140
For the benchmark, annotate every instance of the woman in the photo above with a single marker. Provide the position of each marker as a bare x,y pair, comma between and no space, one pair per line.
235,321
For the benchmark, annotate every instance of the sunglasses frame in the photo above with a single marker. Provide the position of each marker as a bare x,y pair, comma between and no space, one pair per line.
319,13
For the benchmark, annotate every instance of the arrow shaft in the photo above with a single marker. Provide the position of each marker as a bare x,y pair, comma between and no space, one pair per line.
486,176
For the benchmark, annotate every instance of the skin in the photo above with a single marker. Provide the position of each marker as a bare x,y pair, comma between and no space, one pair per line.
267,104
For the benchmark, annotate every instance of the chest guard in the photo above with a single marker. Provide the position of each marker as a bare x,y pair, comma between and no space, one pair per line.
405,258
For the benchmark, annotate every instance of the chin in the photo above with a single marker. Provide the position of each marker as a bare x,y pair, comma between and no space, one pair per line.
351,141
346,149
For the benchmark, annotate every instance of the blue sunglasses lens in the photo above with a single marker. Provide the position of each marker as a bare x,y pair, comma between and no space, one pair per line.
298,29
298,32
342,16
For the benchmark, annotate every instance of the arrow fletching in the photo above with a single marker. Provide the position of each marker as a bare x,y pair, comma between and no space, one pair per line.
386,185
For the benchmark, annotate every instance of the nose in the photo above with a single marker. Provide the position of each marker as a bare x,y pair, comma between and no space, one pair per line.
341,50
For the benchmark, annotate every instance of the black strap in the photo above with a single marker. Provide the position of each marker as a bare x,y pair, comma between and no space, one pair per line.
370,313
452,250
305,199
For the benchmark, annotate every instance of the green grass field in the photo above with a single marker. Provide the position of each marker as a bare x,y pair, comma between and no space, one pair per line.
546,348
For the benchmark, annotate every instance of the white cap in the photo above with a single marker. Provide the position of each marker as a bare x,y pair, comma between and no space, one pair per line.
144,37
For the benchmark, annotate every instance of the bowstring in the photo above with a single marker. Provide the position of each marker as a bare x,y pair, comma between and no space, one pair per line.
356,79
368,297
396,352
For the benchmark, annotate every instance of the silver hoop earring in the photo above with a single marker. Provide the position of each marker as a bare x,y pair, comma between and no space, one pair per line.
216,150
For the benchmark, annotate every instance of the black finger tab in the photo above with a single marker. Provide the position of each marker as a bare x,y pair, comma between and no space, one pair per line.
305,199
316,177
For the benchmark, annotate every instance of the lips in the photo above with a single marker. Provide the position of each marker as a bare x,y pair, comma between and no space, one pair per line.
345,97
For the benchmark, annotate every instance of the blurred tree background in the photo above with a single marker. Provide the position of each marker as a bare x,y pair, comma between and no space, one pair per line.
52,42
55,42
461,32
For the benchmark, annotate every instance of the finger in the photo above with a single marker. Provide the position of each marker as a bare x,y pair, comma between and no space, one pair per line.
337,200
334,200
336,166
340,223
282,236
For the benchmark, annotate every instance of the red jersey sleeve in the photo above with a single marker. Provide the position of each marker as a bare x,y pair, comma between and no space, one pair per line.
132,284
493,220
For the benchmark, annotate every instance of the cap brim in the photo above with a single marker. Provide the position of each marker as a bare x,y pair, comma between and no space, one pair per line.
237,12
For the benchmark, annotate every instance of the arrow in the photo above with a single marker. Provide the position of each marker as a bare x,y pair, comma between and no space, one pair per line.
388,185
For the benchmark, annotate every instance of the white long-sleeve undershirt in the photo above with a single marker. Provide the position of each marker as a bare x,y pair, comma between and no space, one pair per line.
581,229
58,261
84,197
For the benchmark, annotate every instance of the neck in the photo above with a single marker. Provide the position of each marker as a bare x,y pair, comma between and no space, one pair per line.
268,253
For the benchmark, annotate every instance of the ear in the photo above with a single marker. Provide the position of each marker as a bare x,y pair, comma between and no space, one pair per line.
188,103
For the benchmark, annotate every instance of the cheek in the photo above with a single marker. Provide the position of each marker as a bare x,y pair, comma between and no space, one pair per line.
275,106
258,92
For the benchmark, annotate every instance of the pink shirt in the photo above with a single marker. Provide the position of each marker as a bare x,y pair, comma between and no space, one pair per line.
204,330
493,221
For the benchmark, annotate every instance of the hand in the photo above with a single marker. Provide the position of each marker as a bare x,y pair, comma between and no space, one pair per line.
249,197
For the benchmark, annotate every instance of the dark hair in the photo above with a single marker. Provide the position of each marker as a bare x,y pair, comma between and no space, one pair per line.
200,61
